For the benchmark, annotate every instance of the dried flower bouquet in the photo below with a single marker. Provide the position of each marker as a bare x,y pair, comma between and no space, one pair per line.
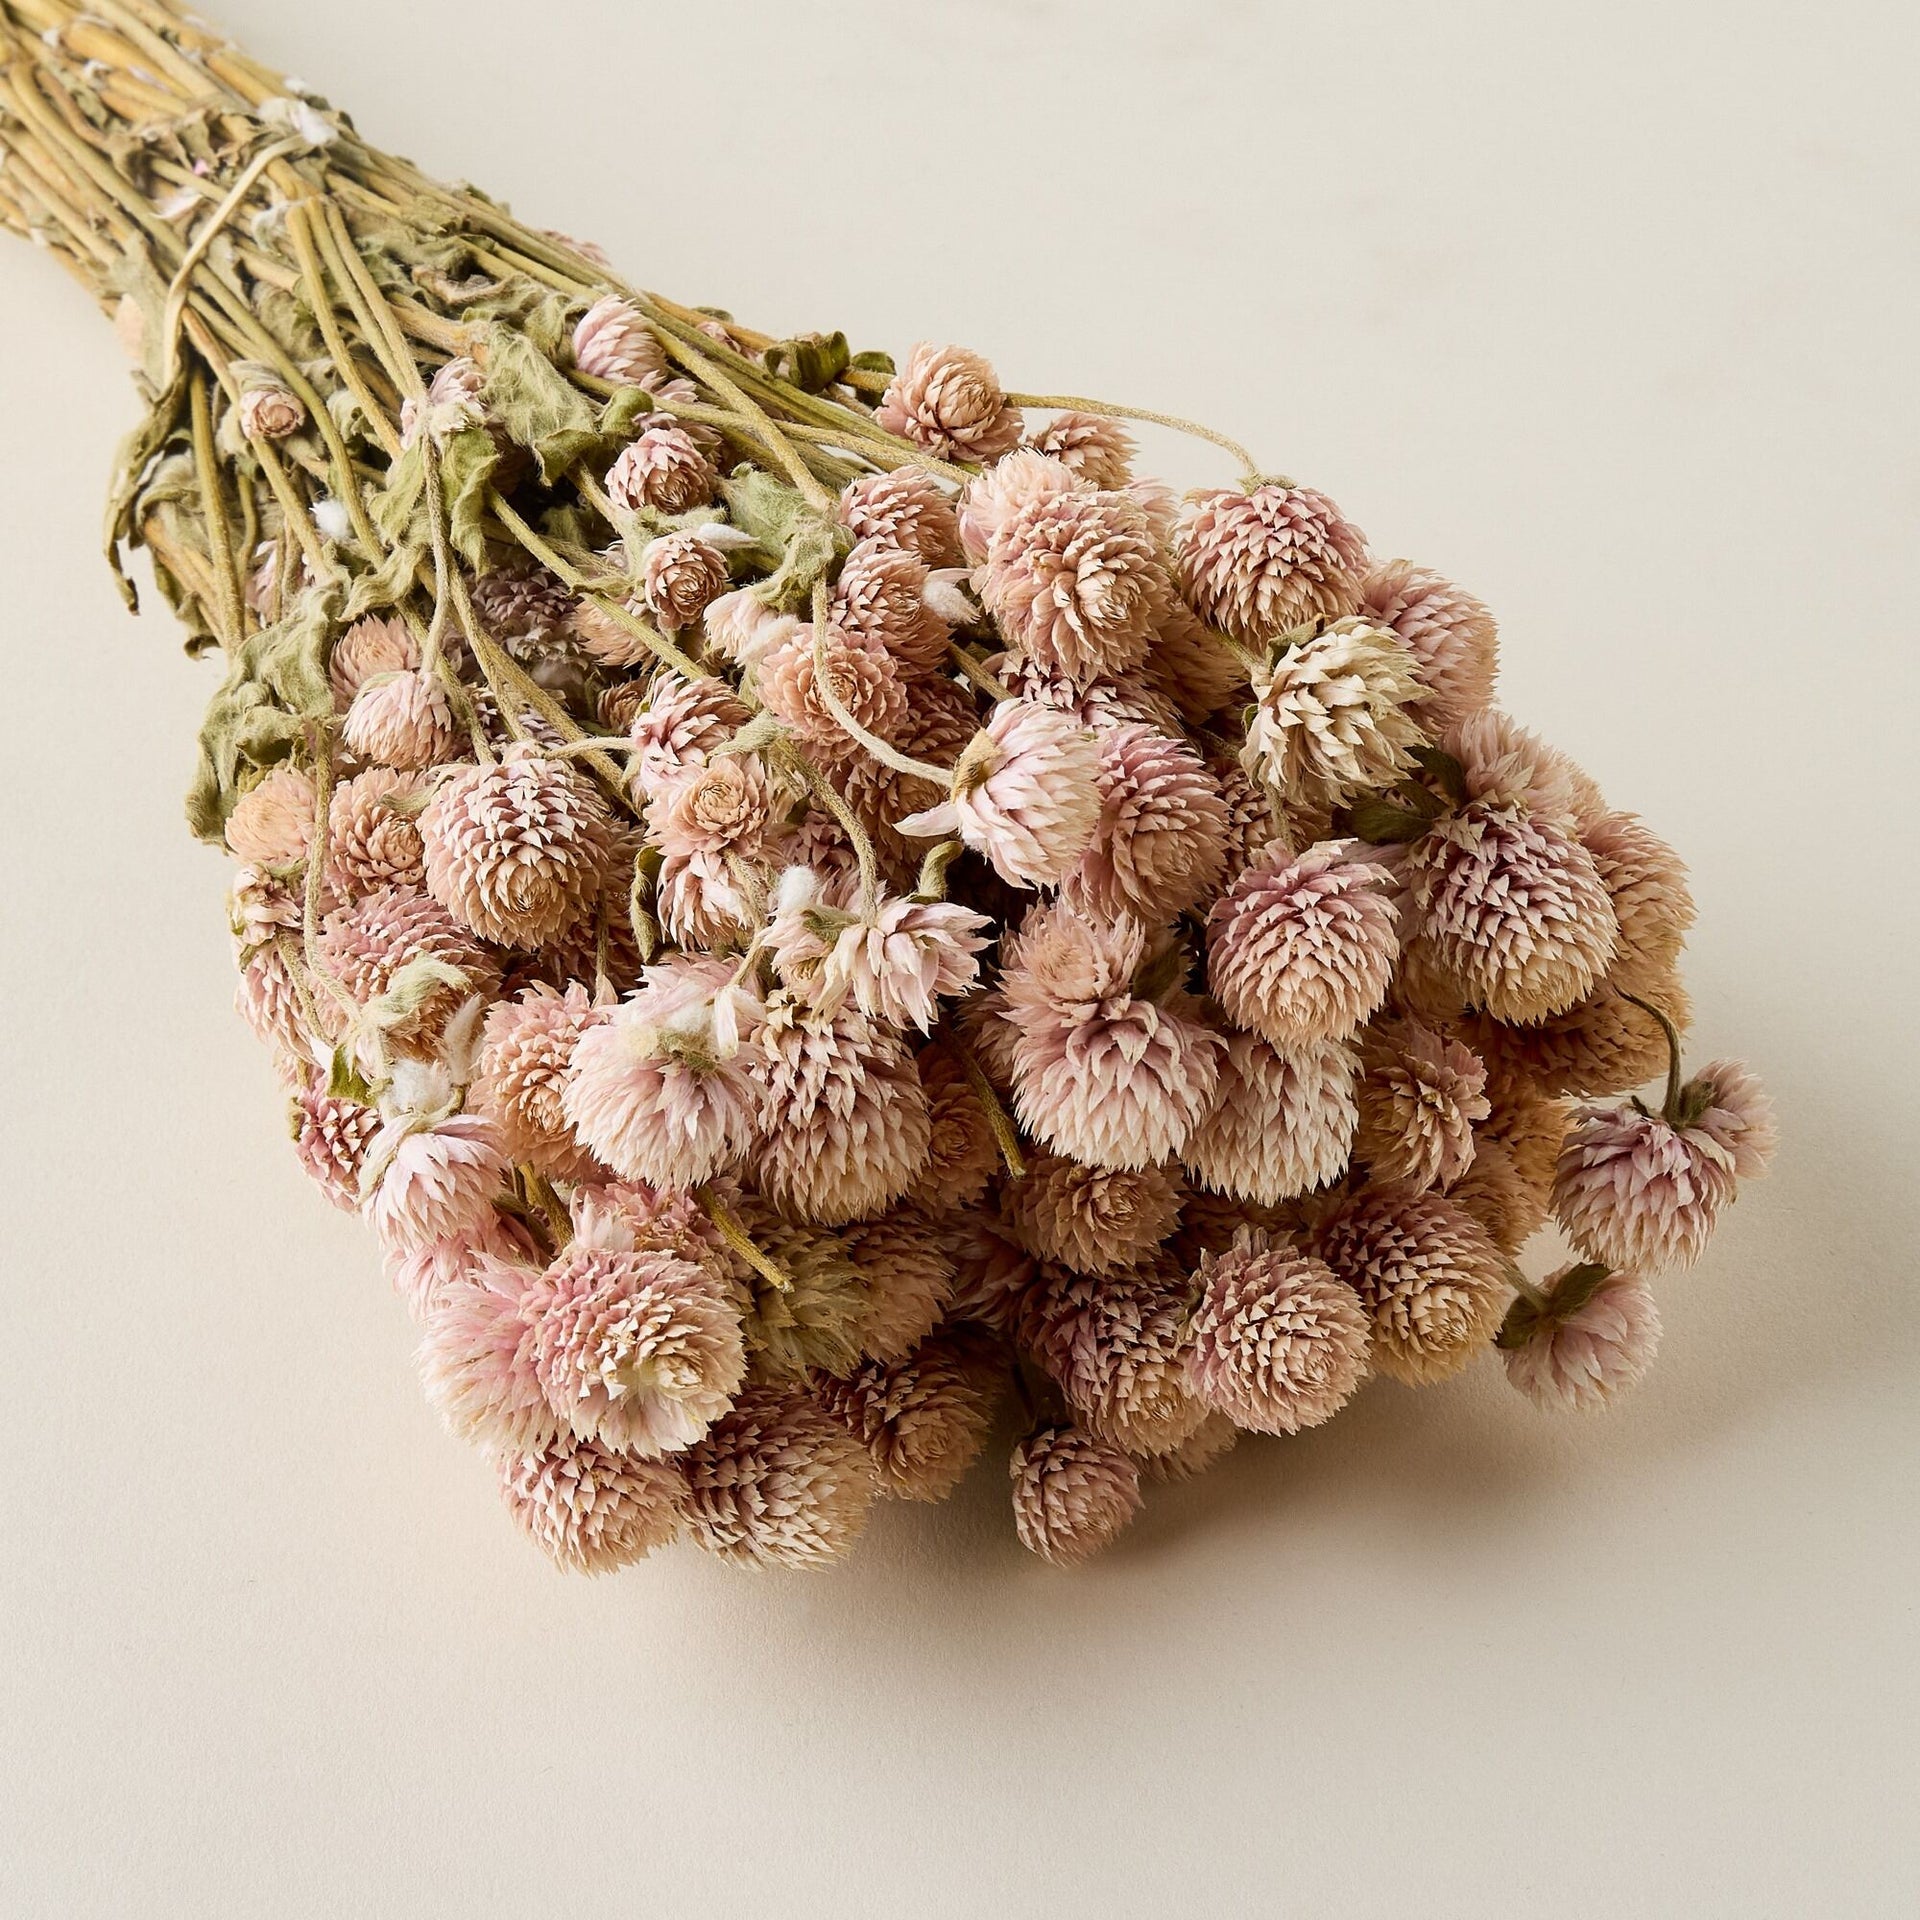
801,897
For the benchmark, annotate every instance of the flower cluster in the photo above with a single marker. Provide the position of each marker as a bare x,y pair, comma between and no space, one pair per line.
809,904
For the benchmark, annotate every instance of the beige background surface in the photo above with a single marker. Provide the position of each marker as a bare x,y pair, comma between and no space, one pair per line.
1609,313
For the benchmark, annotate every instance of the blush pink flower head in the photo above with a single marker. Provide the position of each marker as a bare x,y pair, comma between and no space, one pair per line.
1073,1494
1091,1219
1593,1337
1282,1123
654,1092
949,403
923,1418
1279,1343
1026,795
526,1052
880,598
961,1153
896,962
722,807
614,342
401,720
665,470
437,1182
1023,479
373,646
862,675
1256,564
331,1138
426,1277
684,723
905,508
477,1360
1302,948
1647,883
364,947
272,822
590,1509
1159,849
683,573
373,830
909,1279
1093,447
1450,635
1421,1099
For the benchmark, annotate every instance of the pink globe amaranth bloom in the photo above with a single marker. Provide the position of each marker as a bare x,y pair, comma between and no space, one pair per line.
455,400
962,1156
423,1278
612,341
905,508
640,1351
895,964
1073,579
922,1418
590,1509
1278,1342
1088,1218
1192,666
863,676
991,1274
526,1052
517,851
477,1356
437,1183
1426,1270
1026,795
1093,447
1330,719
778,1482
1101,704
1256,564
1101,1074
843,1117
701,903
272,822
1160,846
1600,1045
1117,1348
1738,1115
1504,764
652,1092
1421,1099
948,402
665,470
268,1001
1647,883
724,806
402,720
881,599
1073,1494
1023,479
1302,949
373,646
331,1138
1449,633
909,1279
1511,908
1282,1123
373,831
1595,1337
682,573
364,946
684,724
1251,827
742,627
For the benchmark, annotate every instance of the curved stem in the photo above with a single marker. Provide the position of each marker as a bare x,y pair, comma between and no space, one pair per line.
1058,402
1670,1107
888,756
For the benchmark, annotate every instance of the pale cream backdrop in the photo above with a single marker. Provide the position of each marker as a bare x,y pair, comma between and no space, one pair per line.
1607,313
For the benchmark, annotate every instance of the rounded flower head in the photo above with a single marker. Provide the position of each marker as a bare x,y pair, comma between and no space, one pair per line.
1421,1099
862,675
613,342
401,720
1088,1218
1282,1124
845,1127
637,1350
1426,1271
947,401
1023,479
684,724
524,606
1256,564
1073,578
816,1323
1093,447
1279,1343
525,1053
744,629
1073,1494
1160,846
961,1154
1504,764
272,822
373,830
1331,717
778,1482
1647,883
269,408
517,851
724,806
880,599
924,1418
365,946
477,1360
665,470
1026,795
1302,949
1101,1074
331,1138
906,508
1734,1111
589,1509
1450,635
908,1276
1512,909
1593,1338
654,1092
368,648
438,1182
682,574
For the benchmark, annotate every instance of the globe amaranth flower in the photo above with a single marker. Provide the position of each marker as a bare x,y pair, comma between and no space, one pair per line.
906,508
526,1052
1073,1493
1331,717
1279,1342
778,1482
665,470
1026,795
1302,949
880,598
366,945
373,830
1420,1101
516,851
1091,1219
1093,447
1160,846
331,1138
271,823
613,341
909,1280
401,720
724,806
1592,1336
961,1152
947,401
1425,1270
477,1353
1010,486
1256,564
1449,634
1647,883
591,1509
372,646
653,1092
435,1182
1282,1123
922,1418
684,724
682,574
860,673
